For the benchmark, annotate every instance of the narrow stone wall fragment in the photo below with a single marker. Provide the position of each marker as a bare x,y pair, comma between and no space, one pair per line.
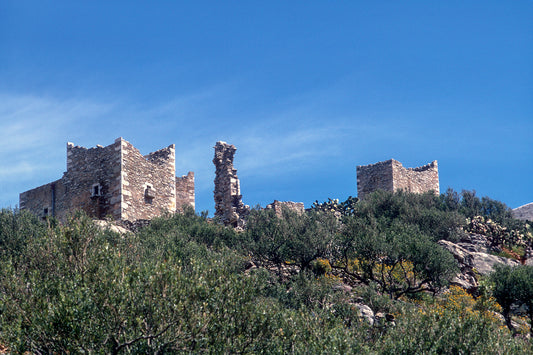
228,199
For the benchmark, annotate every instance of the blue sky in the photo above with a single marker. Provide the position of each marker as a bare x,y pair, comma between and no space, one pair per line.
306,90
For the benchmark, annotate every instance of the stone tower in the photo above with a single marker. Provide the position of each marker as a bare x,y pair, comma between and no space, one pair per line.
390,175
116,181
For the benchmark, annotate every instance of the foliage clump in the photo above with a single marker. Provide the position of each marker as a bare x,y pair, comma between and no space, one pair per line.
185,284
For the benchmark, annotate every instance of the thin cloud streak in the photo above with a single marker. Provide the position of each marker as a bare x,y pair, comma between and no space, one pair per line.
31,122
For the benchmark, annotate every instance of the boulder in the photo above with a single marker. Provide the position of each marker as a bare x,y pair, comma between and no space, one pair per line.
473,259
366,313
103,224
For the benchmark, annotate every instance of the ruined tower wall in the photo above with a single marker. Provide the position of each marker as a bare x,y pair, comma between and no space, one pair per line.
416,180
115,181
92,181
390,175
185,191
228,199
87,169
41,200
374,177
148,182
278,207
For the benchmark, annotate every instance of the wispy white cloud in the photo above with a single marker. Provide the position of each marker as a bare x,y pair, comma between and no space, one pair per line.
31,122
276,150
34,130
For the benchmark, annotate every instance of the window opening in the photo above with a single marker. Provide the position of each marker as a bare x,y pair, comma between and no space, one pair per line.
96,190
149,194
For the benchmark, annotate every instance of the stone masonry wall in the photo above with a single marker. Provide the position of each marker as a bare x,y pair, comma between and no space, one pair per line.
374,177
148,182
228,199
40,200
185,191
416,180
390,175
88,168
115,181
278,206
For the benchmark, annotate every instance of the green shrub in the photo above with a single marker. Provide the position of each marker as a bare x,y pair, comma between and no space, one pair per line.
396,256
180,286
296,238
513,286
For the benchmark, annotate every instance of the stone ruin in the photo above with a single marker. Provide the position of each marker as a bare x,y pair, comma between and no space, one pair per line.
229,207
278,206
390,175
116,181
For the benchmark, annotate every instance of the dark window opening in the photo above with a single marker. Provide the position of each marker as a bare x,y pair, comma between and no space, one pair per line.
149,194
96,190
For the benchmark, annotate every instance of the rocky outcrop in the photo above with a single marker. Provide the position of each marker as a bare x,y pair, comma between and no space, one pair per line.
229,207
472,254
524,212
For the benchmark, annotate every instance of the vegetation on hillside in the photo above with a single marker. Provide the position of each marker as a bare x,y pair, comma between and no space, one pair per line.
186,284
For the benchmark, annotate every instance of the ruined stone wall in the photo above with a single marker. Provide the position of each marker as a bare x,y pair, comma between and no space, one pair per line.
374,177
390,175
87,169
278,206
416,180
228,199
92,181
185,191
148,182
40,200
115,181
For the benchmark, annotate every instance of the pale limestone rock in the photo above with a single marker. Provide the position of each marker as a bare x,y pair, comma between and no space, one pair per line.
473,260
366,313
